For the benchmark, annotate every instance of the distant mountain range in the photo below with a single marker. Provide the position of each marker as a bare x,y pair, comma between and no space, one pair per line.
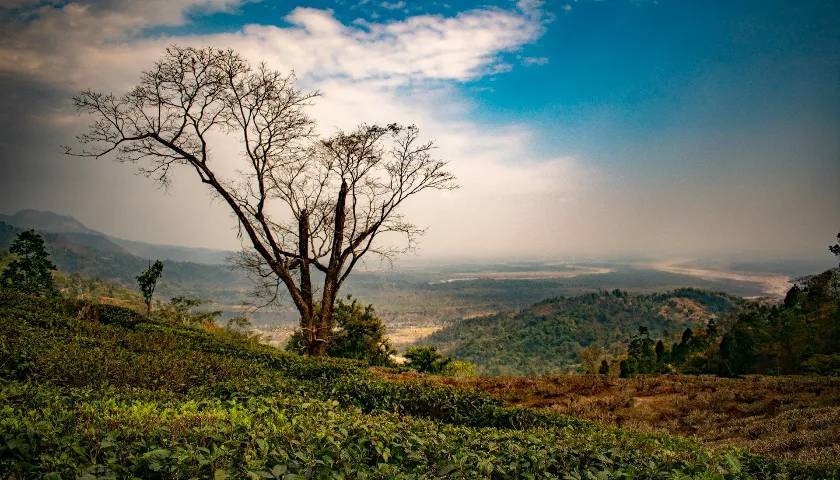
75,248
50,222
46,222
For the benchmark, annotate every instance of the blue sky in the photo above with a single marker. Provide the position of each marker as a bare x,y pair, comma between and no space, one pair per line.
601,127
633,67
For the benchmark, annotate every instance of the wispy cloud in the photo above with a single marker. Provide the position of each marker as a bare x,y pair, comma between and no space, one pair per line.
80,43
406,70
393,5
534,60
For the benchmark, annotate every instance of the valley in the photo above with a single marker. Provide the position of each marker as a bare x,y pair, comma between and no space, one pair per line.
414,301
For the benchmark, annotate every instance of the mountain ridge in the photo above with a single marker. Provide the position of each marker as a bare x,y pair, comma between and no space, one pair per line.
47,221
75,248
547,336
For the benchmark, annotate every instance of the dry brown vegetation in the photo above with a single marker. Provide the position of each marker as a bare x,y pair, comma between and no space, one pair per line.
785,417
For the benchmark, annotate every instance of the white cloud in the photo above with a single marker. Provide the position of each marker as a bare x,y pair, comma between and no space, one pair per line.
78,44
534,60
399,71
393,5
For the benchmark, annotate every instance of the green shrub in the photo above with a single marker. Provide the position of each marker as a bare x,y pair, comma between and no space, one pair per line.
426,359
110,397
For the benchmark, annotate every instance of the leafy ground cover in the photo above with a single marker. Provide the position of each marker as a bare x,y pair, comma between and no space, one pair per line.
93,391
793,417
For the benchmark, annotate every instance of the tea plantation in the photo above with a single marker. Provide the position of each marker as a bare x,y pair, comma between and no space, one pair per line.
91,391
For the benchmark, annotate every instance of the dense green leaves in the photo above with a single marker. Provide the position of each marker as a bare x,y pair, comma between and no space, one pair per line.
802,335
548,336
115,396
147,281
358,334
426,359
30,270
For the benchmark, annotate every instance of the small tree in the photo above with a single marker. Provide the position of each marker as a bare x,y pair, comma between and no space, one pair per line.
183,310
793,296
835,283
426,359
31,269
625,370
359,334
679,351
604,369
147,281
459,368
589,357
641,357
238,323
660,351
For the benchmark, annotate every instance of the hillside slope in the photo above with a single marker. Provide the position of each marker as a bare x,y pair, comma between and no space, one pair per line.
794,417
51,222
97,392
76,249
45,221
547,336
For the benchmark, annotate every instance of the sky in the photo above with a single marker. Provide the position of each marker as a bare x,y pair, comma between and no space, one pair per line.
585,128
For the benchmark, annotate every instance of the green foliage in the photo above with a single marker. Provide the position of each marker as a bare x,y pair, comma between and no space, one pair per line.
426,359
642,357
549,336
823,364
147,281
183,310
359,334
459,368
604,369
5,259
87,396
802,335
239,323
80,287
30,270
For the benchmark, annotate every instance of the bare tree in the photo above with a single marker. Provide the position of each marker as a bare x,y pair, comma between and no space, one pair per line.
306,207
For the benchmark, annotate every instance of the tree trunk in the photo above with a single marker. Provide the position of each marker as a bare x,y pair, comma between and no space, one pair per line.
323,331
307,314
323,322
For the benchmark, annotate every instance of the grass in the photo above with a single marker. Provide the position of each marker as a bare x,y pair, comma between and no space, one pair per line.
790,417
91,391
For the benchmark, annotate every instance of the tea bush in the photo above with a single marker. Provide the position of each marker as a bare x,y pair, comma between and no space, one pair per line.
115,396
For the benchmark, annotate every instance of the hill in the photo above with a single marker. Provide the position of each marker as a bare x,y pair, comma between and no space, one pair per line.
98,392
547,336
45,221
75,248
51,222
204,256
794,417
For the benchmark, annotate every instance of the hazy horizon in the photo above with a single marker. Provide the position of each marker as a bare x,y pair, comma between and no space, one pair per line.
577,129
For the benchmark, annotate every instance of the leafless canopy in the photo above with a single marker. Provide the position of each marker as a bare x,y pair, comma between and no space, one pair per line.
303,203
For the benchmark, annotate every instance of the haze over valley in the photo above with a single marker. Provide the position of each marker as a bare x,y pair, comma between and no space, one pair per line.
414,298
382,239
